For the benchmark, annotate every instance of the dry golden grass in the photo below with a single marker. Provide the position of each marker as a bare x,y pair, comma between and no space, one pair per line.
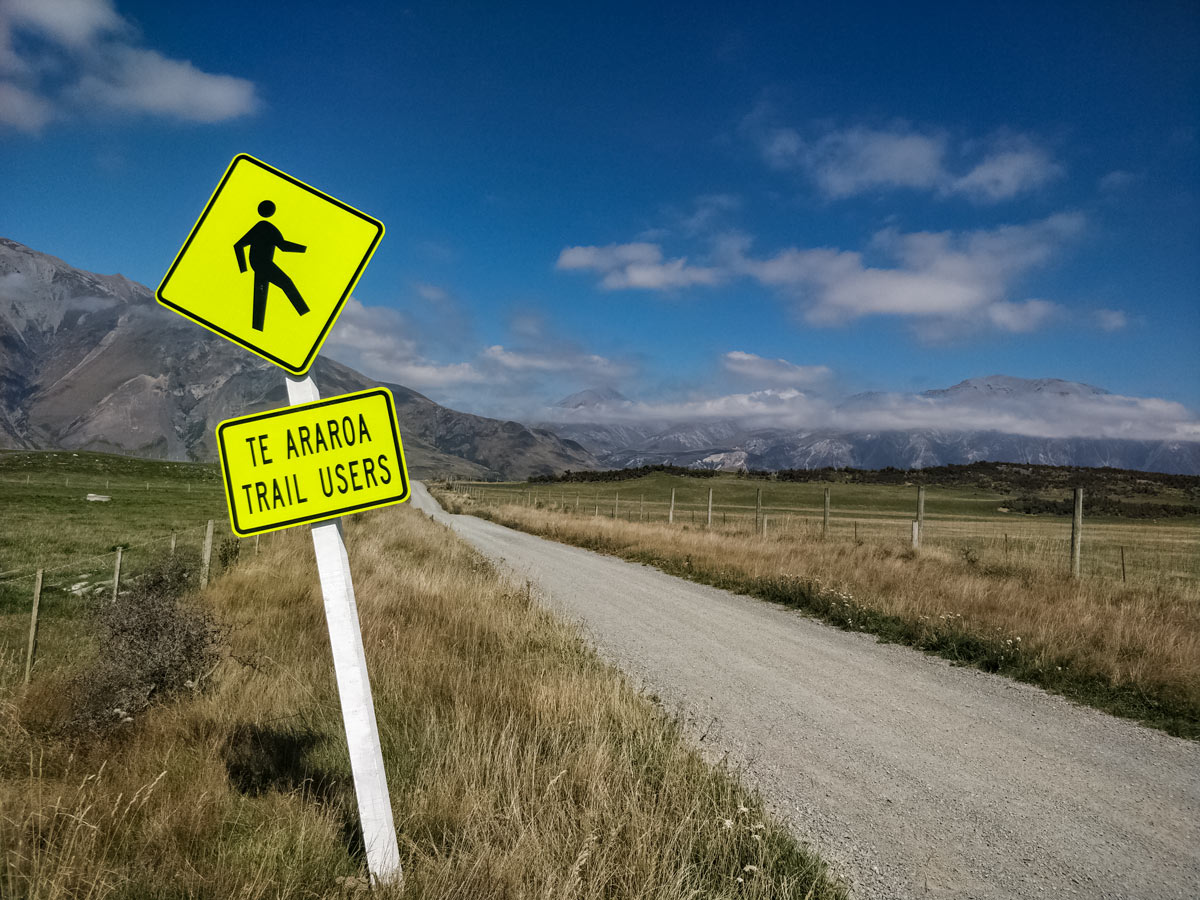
519,764
1131,648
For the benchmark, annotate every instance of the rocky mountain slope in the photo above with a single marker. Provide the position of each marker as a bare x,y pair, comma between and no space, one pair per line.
93,362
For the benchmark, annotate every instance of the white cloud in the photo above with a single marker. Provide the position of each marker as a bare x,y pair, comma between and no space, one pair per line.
939,275
23,110
585,366
850,161
377,341
773,371
637,265
1008,173
73,23
1111,319
144,81
1021,318
98,68
845,163
1070,411
951,281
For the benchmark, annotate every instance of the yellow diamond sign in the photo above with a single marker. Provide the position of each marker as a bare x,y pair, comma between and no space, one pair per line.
270,263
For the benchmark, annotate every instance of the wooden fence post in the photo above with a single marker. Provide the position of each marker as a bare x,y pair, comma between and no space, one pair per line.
825,520
916,534
31,653
206,556
710,507
616,503
671,513
117,576
256,537
764,528
1077,533
1122,564
920,516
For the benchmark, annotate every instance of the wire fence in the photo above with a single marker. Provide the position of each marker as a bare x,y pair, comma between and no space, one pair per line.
1125,551
61,595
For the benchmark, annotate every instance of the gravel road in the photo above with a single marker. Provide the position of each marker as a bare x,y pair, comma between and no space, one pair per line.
914,777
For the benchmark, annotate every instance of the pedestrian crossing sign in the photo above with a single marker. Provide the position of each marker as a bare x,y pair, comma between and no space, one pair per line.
270,263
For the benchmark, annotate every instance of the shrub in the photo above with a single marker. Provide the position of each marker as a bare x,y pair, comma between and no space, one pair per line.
151,644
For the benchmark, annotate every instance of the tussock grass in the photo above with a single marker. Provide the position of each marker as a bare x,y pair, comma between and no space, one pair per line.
519,764
1132,649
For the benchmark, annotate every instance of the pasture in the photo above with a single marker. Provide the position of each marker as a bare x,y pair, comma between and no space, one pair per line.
50,524
971,522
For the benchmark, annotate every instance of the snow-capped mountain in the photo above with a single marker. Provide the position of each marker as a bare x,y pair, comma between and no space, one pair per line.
964,423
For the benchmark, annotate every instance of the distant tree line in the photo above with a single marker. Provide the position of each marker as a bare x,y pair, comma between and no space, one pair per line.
1101,505
621,474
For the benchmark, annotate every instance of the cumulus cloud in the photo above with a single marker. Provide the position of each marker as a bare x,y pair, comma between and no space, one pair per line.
963,276
637,265
773,371
845,162
145,81
1007,173
958,281
105,70
1111,319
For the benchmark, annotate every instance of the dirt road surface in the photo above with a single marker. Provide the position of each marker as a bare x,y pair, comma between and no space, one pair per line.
914,777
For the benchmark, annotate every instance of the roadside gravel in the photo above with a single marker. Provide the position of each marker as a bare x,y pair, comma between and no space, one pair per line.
915,777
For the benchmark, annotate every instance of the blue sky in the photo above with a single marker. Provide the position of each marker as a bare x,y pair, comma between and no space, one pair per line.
691,204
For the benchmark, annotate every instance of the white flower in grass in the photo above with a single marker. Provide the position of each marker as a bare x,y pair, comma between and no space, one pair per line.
727,824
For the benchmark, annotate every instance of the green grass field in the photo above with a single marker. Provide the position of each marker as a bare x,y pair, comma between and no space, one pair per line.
50,524
968,521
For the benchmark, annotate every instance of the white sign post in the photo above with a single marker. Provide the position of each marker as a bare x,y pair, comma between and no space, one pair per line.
354,688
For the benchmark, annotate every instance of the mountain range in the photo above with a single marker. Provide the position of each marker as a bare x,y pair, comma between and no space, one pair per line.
93,362
624,436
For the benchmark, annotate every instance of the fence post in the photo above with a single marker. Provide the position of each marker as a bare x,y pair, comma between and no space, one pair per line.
757,508
256,545
825,520
1122,564
710,507
920,515
117,576
764,528
206,555
616,503
174,537
31,653
1077,533
671,513
916,534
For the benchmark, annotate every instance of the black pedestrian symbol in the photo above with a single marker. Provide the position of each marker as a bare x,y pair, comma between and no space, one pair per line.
263,239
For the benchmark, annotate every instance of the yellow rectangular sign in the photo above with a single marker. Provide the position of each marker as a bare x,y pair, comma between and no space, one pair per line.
312,462
270,263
